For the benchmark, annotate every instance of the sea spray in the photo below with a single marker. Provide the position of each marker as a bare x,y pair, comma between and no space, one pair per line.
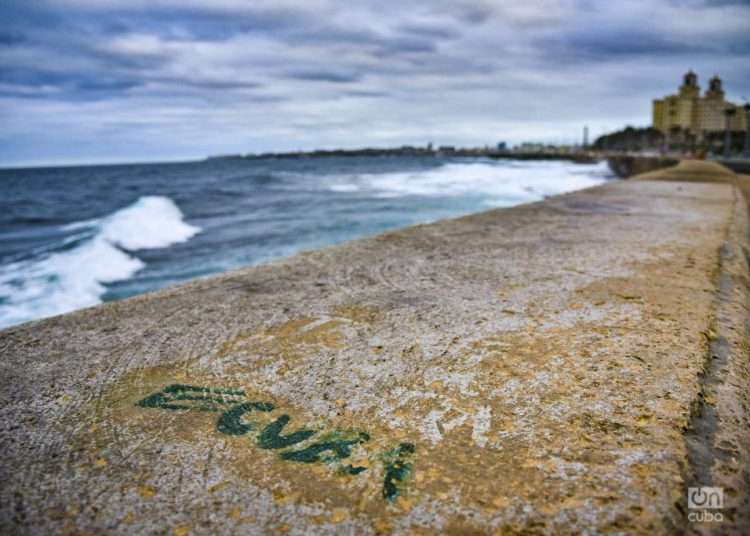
75,276
500,185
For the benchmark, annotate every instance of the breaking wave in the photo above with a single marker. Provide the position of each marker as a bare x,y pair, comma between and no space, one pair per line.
96,252
501,183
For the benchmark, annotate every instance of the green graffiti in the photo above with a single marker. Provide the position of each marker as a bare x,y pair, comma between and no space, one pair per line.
189,397
351,470
397,470
271,438
337,447
230,422
331,448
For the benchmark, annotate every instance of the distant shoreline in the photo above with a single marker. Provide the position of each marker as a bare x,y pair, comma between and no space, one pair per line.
542,154
584,157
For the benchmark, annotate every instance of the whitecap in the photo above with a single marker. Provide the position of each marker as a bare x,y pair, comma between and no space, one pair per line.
500,183
67,280
149,223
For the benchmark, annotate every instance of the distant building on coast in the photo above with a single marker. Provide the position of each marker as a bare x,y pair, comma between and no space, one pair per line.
696,115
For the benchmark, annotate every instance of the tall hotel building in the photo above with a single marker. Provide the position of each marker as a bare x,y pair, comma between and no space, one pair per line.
696,114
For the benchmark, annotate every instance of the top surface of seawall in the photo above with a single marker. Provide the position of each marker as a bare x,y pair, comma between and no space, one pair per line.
690,171
529,369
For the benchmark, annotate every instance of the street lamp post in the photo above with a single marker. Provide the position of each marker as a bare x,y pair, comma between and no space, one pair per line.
728,113
746,152
667,139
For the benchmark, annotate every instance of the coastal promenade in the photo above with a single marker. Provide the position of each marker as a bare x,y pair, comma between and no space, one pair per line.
564,367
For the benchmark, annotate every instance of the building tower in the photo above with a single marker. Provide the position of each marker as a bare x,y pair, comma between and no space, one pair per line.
711,117
689,88
715,91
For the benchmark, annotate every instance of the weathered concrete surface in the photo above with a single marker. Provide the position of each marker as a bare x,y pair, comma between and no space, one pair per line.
699,171
690,171
542,369
720,419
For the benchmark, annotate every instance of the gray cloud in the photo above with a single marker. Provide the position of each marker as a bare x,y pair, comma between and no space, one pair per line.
325,76
430,30
11,38
131,79
608,46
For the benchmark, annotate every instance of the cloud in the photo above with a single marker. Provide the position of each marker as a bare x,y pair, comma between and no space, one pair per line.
610,45
325,76
11,38
134,79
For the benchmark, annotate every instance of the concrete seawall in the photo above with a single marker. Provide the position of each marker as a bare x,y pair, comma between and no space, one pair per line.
625,166
561,367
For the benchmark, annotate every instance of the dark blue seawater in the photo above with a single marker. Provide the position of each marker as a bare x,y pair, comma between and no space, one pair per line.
71,237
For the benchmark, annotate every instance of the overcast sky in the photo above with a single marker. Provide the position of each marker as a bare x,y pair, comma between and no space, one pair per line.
134,80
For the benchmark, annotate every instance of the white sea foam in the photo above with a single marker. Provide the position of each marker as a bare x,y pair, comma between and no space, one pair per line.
149,223
68,280
502,183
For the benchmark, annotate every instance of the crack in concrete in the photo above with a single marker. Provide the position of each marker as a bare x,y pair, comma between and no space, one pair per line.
706,417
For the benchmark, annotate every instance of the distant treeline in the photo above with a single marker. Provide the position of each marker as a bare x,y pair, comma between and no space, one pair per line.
630,139
396,151
645,139
537,153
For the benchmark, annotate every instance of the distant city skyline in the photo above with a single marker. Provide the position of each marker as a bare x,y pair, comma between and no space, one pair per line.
95,81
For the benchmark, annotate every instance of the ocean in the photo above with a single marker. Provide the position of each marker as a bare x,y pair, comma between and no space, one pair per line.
72,237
